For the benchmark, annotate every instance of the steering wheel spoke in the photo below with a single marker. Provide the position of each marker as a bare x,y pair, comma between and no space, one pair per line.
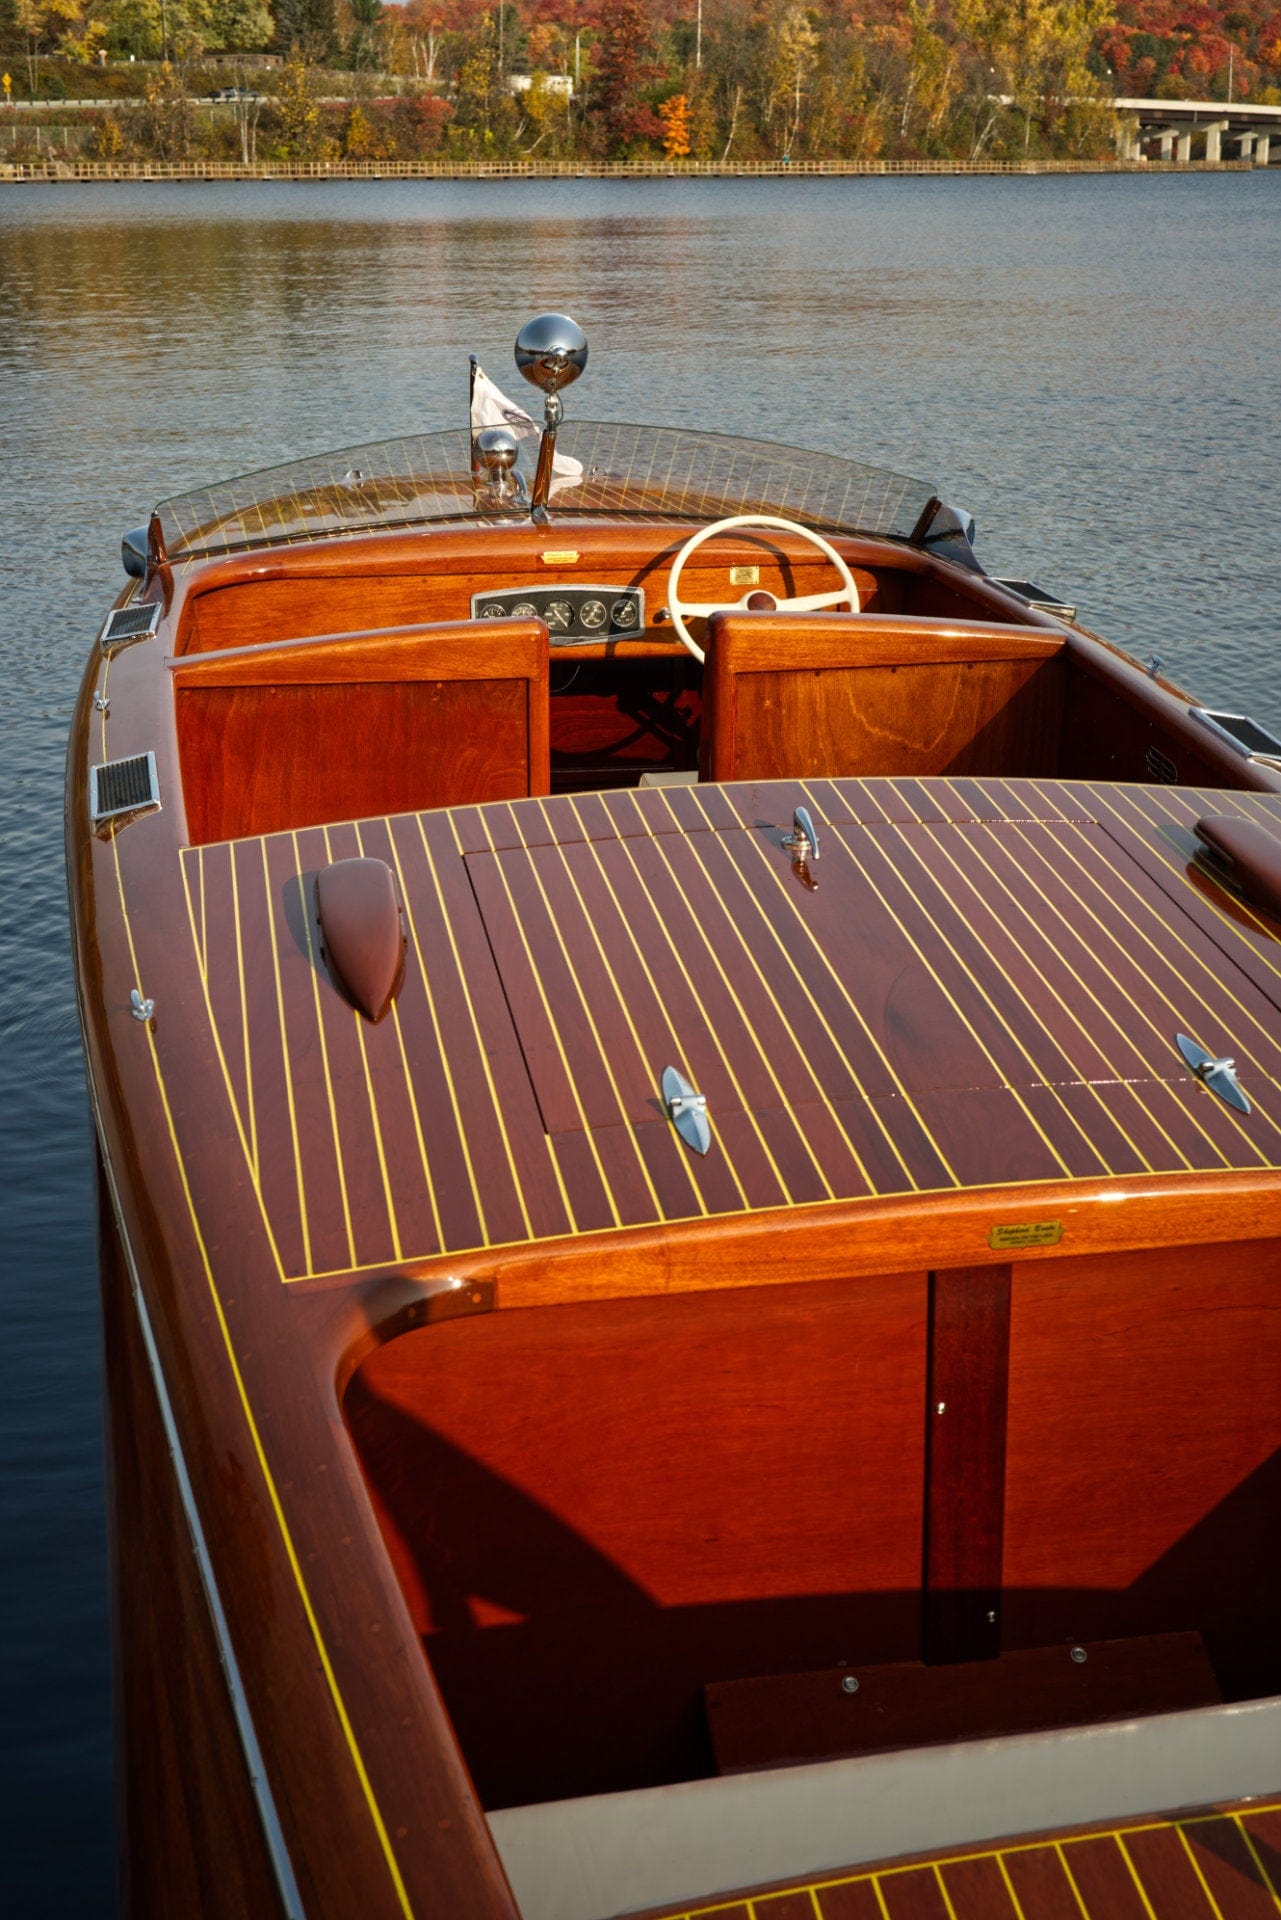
813,602
802,603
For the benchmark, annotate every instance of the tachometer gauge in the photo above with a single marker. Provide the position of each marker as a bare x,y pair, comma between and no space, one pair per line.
558,614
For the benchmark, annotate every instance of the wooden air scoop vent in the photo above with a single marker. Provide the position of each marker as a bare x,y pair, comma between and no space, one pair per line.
1246,855
361,932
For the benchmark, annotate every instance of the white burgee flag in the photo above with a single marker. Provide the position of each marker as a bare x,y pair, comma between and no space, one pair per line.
490,407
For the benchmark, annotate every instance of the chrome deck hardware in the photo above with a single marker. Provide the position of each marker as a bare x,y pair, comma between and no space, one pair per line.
686,1110
140,1009
802,844
802,841
1220,1076
494,454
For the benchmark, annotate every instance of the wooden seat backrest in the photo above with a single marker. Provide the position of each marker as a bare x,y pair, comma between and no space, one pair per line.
343,726
790,695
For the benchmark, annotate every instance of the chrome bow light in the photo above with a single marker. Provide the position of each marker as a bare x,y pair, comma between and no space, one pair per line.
551,352
494,454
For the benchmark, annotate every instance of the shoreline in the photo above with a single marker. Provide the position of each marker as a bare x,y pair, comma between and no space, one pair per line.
118,172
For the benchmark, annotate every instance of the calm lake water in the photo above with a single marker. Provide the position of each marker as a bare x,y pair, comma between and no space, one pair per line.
1089,364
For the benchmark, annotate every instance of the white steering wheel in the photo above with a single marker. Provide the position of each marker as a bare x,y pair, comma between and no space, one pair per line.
801,603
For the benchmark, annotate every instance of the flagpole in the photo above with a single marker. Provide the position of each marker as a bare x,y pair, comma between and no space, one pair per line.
471,401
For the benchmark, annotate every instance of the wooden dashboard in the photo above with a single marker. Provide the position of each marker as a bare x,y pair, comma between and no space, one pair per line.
391,580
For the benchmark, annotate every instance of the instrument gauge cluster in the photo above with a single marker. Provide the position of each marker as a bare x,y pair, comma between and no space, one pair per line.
574,615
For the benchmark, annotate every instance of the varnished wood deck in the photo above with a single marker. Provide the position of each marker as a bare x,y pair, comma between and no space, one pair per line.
983,991
1217,1865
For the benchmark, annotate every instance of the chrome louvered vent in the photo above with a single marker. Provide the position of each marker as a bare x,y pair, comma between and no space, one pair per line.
138,621
120,787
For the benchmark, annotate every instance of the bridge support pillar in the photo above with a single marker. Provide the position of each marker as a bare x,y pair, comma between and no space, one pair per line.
1262,149
1245,146
1184,149
1167,146
1214,133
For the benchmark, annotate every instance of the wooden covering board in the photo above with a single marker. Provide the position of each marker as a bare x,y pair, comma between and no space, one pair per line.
983,990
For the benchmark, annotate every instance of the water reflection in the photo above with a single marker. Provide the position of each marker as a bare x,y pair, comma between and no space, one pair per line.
1088,364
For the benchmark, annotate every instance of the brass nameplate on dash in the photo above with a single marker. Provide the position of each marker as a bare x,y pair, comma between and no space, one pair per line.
560,557
1038,1233
745,576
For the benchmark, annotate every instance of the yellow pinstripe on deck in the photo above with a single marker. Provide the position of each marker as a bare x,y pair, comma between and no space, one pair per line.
877,1880
825,961
1114,981
676,957
1032,967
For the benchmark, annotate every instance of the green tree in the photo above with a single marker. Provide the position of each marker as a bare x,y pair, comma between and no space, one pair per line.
243,26
362,40
306,29
133,27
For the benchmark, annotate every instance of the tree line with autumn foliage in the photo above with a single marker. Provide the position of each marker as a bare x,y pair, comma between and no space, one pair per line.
705,80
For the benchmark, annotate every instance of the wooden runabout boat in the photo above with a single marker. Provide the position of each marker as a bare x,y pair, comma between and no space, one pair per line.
689,1095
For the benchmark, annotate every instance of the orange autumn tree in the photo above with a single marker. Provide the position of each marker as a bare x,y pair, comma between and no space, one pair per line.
674,114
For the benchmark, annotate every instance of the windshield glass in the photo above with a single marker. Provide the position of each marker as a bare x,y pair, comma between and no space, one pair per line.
629,471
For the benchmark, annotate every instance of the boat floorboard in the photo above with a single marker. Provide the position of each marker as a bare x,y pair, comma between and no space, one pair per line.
1220,1863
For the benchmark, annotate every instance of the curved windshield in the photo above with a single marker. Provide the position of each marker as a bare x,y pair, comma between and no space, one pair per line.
628,471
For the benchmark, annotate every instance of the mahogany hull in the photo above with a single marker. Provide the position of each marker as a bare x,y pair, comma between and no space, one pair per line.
295,1431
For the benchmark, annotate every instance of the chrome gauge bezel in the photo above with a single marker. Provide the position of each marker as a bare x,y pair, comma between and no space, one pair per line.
576,615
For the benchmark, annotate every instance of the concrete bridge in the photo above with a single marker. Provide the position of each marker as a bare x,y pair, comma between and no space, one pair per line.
1218,130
